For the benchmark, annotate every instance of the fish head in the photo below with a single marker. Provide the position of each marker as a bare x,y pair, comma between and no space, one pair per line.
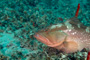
51,38
59,39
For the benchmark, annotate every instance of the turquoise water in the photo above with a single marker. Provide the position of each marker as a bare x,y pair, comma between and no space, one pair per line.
20,19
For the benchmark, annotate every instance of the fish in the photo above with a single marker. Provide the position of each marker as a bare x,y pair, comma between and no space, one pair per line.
69,37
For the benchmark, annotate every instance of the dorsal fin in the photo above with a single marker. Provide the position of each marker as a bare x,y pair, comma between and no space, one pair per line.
75,22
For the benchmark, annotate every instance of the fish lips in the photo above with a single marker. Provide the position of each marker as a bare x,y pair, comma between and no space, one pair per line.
46,41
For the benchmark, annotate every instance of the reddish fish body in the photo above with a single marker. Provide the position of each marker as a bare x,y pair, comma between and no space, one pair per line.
68,37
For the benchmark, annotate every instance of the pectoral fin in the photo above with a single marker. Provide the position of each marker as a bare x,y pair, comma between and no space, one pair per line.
70,46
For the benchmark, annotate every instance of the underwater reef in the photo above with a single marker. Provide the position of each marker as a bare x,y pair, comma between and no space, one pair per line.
21,19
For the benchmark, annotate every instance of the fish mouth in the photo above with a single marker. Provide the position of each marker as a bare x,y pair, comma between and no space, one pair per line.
44,39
